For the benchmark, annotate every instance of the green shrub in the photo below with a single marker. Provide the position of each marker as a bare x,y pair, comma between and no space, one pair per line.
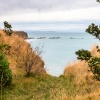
7,28
5,72
94,30
83,54
93,62
94,65
5,49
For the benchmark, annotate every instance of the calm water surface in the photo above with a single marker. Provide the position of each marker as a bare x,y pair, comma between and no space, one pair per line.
57,53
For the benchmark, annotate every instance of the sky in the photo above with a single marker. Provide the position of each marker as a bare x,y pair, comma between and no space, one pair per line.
19,11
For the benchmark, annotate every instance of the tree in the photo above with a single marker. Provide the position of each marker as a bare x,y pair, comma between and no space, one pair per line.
28,58
94,65
83,54
5,72
93,62
94,30
98,1
7,28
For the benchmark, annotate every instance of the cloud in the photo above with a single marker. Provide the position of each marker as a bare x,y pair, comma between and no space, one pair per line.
72,15
8,7
48,10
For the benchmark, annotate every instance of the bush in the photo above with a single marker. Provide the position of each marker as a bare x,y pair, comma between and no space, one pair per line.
7,28
94,30
83,54
94,65
5,49
5,72
93,62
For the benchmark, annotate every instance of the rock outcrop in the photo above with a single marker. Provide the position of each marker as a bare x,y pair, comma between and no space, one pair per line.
21,34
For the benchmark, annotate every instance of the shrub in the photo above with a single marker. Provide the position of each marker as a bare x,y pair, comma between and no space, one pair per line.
94,62
7,28
29,59
5,72
94,65
5,48
83,54
94,30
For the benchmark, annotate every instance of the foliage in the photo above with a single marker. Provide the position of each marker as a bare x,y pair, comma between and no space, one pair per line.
83,54
51,88
98,1
28,58
98,49
94,30
5,48
5,72
93,62
7,28
94,65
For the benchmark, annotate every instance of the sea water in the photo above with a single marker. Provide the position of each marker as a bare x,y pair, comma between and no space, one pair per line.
58,48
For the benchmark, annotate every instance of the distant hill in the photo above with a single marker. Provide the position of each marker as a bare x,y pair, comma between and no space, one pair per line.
21,34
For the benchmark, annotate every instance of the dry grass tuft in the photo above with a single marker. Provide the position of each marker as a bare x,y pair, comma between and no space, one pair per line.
79,71
83,79
19,48
94,51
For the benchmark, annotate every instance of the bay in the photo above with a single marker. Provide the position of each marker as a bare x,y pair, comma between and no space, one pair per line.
59,47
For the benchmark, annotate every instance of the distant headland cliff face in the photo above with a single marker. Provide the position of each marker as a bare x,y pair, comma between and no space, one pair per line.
21,34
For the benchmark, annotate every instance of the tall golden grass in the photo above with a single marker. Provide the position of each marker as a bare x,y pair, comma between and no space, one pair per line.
84,79
79,70
94,51
18,50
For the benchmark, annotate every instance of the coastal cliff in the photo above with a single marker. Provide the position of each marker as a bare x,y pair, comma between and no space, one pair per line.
21,34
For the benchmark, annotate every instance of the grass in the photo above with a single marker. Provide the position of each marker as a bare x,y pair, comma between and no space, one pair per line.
87,88
77,82
34,88
51,88
21,55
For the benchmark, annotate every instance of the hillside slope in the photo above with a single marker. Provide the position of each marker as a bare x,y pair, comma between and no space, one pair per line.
83,79
77,82
20,54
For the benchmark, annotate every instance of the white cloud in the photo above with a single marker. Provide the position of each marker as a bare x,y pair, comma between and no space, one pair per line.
21,6
49,11
72,15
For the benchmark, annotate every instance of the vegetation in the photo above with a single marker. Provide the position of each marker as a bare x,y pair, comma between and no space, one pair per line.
93,62
77,82
5,49
98,1
15,46
83,54
86,87
28,59
7,28
5,72
53,88
94,65
94,30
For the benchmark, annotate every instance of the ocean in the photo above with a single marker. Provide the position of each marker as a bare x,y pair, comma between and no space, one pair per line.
58,47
